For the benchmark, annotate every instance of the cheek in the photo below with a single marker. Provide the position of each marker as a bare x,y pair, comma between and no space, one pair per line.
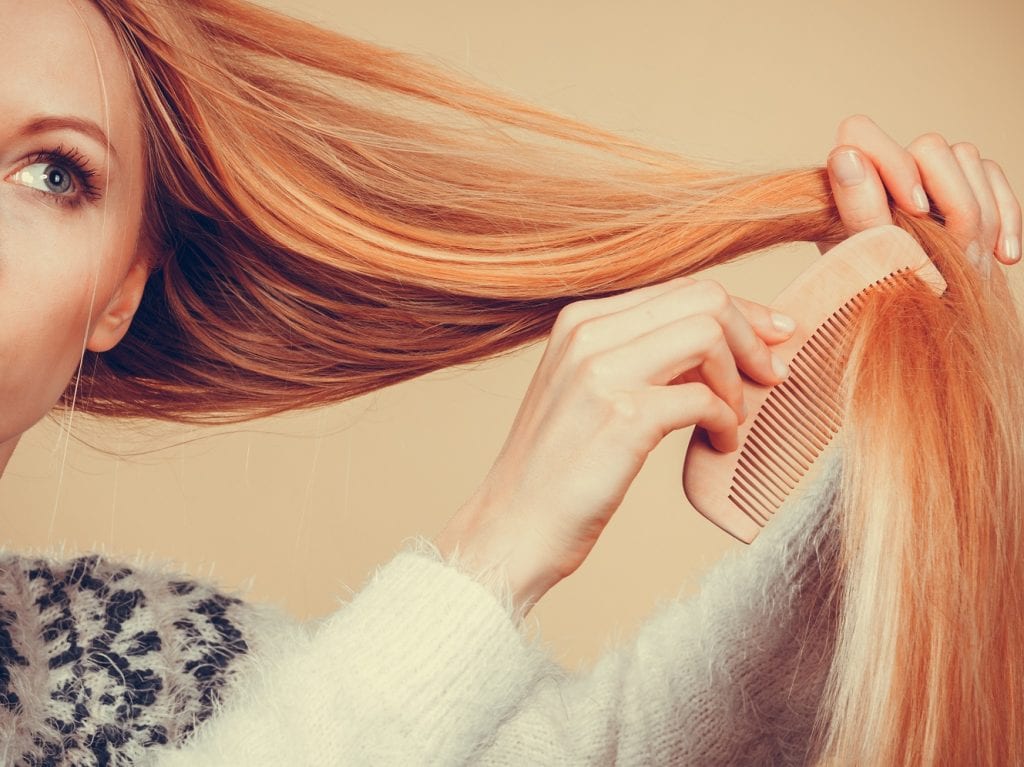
44,311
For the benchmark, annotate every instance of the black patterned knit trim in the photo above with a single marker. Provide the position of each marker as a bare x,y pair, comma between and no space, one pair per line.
99,661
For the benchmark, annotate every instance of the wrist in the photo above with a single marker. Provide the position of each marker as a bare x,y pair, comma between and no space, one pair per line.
509,562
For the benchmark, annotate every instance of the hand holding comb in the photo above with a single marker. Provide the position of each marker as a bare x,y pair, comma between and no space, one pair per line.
791,423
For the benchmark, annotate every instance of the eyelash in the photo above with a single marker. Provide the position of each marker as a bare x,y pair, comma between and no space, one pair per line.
83,174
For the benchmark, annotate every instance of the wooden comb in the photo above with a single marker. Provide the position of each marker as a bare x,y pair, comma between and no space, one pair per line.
791,423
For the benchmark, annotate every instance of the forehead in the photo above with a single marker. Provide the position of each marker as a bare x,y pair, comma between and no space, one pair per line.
60,57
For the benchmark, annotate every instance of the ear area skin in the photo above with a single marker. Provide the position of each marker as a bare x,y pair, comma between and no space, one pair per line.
112,324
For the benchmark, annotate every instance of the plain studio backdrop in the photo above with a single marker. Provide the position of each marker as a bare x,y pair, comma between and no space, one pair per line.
299,509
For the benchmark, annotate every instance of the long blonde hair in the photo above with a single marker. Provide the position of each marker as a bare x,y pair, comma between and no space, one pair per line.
332,217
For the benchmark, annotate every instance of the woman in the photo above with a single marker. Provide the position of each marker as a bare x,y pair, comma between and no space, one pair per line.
221,282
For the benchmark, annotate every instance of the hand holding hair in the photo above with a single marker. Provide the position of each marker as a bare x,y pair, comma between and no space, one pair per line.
971,194
974,200
618,374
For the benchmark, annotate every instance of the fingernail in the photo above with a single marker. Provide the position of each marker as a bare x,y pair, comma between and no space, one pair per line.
847,168
921,199
1011,247
779,367
782,323
745,410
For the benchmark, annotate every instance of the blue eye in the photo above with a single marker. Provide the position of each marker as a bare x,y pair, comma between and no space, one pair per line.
53,178
61,174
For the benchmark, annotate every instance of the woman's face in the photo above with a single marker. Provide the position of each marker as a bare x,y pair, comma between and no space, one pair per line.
70,211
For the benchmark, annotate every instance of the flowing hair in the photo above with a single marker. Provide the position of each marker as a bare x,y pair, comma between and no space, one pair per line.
328,217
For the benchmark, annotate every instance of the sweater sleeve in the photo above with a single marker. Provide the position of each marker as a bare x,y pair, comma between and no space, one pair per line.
421,666
734,675
425,666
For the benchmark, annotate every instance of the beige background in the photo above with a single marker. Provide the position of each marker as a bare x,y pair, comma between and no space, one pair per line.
307,505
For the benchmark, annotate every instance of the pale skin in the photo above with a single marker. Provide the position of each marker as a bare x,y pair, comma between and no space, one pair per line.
53,256
617,375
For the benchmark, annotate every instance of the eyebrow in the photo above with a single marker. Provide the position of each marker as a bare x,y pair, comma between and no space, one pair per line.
81,125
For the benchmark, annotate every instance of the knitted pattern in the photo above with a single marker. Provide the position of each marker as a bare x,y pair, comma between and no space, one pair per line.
99,661
427,665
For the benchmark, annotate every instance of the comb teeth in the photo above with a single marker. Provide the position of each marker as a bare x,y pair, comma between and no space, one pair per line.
793,422
800,416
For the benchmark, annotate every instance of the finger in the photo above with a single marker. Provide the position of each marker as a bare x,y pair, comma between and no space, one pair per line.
772,326
751,354
981,249
948,187
669,408
701,297
858,192
1009,249
696,297
659,356
899,172
575,314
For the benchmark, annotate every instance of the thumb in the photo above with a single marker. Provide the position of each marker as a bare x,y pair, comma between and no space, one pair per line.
858,190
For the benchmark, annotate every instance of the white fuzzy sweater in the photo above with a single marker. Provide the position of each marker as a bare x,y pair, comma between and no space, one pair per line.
427,665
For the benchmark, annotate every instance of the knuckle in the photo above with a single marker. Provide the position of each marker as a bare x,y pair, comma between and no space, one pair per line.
992,168
593,374
929,142
571,315
966,149
570,318
714,295
855,122
582,338
623,408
